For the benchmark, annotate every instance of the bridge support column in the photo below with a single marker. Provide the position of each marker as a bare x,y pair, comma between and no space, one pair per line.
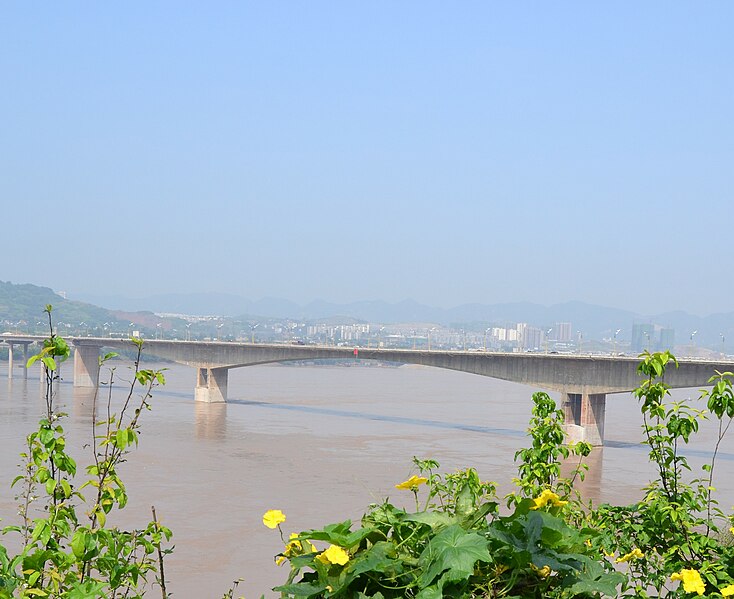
25,360
25,345
10,361
86,366
211,385
584,417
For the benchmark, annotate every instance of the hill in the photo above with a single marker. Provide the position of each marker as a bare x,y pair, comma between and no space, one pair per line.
21,309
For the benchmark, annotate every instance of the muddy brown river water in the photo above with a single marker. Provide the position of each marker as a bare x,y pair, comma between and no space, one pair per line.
319,443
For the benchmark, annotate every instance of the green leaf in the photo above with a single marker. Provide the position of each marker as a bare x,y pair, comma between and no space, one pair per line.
455,550
41,531
42,475
78,543
464,501
121,438
50,486
60,348
337,534
66,488
45,435
89,589
436,520
533,530
6,530
377,558
432,592
606,584
303,589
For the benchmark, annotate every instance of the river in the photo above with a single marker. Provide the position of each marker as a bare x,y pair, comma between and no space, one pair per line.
320,444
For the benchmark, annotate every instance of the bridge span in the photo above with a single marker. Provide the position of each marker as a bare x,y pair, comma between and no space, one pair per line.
583,381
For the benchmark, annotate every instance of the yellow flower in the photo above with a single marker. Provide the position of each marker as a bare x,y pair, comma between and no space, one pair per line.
692,581
272,518
293,545
635,553
543,572
731,530
727,591
333,555
547,497
412,483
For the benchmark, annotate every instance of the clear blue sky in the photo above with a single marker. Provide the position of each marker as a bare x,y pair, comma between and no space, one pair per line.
446,152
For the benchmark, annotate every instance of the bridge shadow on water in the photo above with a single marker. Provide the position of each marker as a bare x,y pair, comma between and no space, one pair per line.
380,417
688,452
489,430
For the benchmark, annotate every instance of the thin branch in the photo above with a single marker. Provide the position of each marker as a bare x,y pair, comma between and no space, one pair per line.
162,577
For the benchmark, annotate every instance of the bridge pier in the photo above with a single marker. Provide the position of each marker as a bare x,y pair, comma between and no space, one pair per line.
86,365
211,385
11,345
584,417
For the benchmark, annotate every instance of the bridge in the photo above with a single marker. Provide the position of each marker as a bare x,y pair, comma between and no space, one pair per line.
583,381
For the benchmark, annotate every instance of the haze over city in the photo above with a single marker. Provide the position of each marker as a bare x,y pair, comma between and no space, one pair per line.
449,154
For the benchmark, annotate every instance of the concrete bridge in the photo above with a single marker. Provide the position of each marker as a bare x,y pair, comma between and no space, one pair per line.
583,381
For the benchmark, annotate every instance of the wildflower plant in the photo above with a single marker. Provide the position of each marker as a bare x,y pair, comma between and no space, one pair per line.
68,549
671,541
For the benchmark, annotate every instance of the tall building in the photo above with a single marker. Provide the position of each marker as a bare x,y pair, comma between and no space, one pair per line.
667,339
562,331
533,338
521,328
643,336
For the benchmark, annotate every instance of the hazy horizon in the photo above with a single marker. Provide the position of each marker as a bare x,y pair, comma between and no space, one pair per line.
94,297
449,154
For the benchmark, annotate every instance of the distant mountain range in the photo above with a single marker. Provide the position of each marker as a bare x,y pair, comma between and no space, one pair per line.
595,321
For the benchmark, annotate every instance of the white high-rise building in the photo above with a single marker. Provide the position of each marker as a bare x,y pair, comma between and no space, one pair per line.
562,331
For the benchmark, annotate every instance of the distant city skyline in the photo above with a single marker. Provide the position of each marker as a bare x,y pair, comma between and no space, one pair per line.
523,325
449,154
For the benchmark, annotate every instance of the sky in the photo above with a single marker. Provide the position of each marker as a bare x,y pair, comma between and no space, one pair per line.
446,152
